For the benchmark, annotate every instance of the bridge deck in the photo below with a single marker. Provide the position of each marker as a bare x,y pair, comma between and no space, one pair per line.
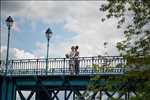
56,82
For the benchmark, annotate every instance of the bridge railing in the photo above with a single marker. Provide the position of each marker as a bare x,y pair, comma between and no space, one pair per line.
60,66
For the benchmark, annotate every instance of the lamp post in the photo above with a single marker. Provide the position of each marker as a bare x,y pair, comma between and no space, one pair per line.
9,23
48,34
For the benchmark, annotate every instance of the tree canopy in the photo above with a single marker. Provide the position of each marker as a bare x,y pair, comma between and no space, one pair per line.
134,18
136,43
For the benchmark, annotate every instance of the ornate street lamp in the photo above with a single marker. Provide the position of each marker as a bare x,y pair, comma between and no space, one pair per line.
48,34
9,23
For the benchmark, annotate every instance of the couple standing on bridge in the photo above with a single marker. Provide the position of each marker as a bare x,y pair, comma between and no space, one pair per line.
74,60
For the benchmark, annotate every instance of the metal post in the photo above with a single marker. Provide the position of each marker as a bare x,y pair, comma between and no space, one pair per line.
128,95
48,36
64,68
74,96
100,95
7,54
125,98
47,55
65,95
37,70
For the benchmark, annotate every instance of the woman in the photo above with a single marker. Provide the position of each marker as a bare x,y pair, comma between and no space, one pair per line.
71,61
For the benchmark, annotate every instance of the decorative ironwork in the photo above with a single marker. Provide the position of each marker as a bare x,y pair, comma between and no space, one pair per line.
60,66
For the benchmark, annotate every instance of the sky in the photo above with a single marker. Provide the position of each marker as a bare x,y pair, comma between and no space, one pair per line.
72,23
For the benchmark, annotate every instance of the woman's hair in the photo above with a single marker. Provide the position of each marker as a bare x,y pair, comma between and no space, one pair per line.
72,47
76,47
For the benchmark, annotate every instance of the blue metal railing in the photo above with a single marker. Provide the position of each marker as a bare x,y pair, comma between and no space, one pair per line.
60,66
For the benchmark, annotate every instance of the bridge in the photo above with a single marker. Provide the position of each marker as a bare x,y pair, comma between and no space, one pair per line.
47,84
60,66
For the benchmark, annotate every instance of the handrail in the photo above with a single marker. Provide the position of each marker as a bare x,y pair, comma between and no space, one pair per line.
67,58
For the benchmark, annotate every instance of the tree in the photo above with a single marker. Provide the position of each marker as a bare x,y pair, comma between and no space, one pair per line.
136,44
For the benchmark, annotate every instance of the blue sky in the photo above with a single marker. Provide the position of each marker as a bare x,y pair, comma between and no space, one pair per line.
72,23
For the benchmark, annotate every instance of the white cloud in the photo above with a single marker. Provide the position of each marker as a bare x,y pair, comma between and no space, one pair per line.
55,50
16,54
15,27
84,19
4,33
13,8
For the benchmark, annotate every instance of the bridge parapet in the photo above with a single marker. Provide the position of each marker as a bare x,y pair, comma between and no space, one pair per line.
60,66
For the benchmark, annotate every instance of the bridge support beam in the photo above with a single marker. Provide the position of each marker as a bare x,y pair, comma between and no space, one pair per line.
127,96
100,95
50,95
8,89
41,95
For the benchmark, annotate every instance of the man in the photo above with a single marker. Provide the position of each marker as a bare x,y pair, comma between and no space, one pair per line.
76,57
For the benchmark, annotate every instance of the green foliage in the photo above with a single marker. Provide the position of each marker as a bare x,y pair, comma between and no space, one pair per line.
137,32
140,80
98,68
135,47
